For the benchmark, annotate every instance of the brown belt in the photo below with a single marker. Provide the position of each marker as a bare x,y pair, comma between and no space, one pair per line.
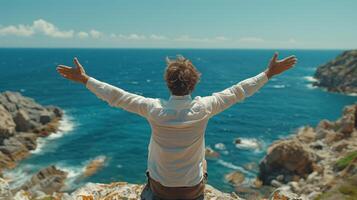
169,193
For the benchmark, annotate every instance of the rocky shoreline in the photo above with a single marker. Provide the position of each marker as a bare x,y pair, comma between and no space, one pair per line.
317,162
22,122
340,74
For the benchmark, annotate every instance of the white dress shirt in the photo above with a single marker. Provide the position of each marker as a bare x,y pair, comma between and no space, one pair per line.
177,145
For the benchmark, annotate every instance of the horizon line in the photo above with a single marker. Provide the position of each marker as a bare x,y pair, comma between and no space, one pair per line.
182,48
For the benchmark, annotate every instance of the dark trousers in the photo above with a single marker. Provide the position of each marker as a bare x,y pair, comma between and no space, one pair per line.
153,190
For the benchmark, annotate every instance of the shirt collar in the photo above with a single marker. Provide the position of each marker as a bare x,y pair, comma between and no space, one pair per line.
184,97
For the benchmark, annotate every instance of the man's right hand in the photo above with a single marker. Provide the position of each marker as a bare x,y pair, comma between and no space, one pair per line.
76,74
278,66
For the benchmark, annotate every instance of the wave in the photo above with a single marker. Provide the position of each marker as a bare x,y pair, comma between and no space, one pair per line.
234,167
310,79
77,173
249,144
311,86
66,125
18,176
278,86
352,94
74,173
220,146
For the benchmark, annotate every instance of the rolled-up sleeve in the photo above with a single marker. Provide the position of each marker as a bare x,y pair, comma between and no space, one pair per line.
117,97
220,101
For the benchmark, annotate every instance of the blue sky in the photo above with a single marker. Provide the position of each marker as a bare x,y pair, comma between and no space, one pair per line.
302,24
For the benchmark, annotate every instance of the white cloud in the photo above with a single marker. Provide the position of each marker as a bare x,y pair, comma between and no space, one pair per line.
158,37
187,38
95,34
221,38
20,30
47,28
251,39
136,37
82,35
39,26
128,37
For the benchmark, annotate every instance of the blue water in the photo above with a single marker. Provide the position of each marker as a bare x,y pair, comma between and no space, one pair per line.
96,129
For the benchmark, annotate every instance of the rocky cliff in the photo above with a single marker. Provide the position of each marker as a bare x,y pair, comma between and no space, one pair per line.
97,191
340,74
22,121
317,162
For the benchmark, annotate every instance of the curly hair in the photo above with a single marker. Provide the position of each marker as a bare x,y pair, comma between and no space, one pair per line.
181,76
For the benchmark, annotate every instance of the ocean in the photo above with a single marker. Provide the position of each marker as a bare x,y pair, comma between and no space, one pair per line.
91,128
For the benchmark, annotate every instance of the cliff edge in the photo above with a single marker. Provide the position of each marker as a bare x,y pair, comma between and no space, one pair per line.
340,74
318,163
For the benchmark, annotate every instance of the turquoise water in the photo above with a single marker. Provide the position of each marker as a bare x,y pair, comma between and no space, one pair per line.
92,128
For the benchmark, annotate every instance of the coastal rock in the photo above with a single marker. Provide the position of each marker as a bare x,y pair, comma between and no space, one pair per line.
6,162
348,122
14,149
48,180
22,195
5,192
27,139
210,153
124,190
340,74
27,112
235,178
22,120
323,166
306,134
286,194
287,157
7,124
94,165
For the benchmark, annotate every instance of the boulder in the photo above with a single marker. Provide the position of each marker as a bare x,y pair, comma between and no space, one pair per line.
14,149
210,153
27,139
284,193
6,162
94,165
48,180
287,157
57,111
7,124
45,117
22,121
332,137
235,178
347,121
306,134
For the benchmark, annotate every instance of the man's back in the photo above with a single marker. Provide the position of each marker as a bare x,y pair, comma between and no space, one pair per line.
176,149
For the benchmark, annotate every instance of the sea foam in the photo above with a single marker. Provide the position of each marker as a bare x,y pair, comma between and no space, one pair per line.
234,167
66,125
310,79
249,144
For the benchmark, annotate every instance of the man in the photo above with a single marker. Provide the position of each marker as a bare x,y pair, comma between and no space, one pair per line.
176,160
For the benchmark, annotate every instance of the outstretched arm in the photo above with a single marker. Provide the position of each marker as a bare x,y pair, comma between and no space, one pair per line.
220,101
115,96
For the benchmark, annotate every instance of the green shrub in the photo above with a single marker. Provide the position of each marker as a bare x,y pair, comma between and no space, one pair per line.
345,161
